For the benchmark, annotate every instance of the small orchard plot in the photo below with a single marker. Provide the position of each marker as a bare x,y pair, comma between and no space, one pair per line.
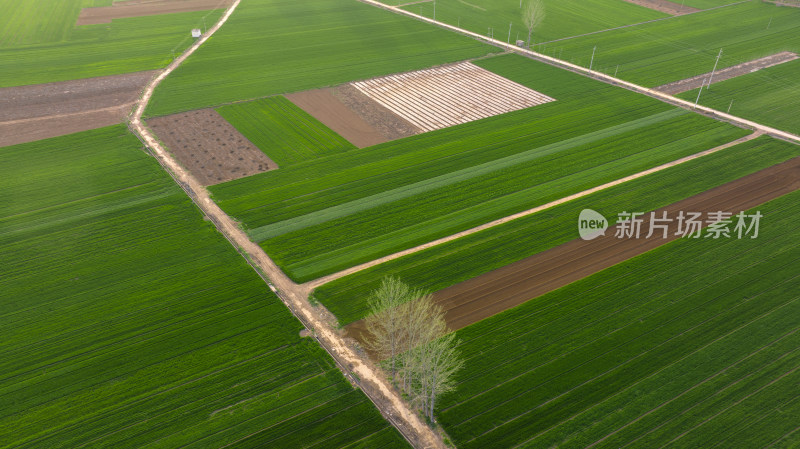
130,322
447,96
210,147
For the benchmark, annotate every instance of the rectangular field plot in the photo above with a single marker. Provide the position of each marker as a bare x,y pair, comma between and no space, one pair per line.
446,96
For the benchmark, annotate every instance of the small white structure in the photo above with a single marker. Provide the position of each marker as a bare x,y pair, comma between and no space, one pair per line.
196,33
520,43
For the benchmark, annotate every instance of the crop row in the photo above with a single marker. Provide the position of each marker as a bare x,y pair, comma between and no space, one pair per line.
467,257
128,321
675,346
279,47
286,133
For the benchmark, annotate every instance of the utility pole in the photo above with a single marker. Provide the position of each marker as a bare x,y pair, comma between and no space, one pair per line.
729,106
509,33
434,10
698,93
592,61
615,71
770,22
715,69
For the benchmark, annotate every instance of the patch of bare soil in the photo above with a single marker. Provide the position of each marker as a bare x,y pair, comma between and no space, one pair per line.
326,107
727,73
40,111
493,292
137,8
389,124
210,147
665,6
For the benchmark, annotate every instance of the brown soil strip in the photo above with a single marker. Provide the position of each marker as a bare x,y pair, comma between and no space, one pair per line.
665,6
137,8
507,287
326,107
210,147
727,73
389,124
40,111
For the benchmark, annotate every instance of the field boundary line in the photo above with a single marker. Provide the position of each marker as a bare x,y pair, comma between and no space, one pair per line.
354,366
332,277
600,76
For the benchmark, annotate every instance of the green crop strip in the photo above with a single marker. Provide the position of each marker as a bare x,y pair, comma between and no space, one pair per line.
286,133
342,210
129,322
467,257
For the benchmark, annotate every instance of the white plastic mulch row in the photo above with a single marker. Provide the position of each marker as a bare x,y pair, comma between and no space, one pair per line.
446,96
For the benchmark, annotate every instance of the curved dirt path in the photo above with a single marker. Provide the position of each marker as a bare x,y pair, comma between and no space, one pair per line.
294,296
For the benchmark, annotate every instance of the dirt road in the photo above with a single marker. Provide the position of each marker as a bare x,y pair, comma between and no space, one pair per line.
373,383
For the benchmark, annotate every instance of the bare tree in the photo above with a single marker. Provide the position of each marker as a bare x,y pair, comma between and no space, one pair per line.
444,363
532,16
384,325
407,329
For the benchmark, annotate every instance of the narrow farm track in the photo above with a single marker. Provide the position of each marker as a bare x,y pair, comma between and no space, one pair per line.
294,296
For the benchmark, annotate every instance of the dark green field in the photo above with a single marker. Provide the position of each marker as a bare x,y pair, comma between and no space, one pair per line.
129,322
